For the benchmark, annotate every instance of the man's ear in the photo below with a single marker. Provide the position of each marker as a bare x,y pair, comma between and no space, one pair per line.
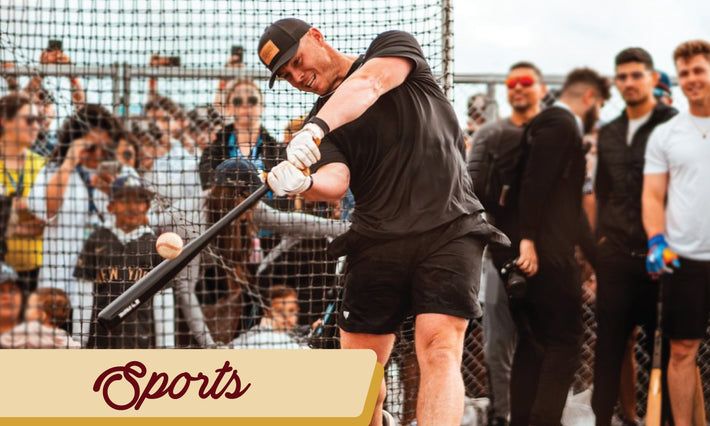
44,318
654,77
590,96
317,35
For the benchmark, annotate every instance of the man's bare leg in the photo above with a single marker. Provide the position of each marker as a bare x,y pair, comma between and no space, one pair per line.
382,345
681,379
439,344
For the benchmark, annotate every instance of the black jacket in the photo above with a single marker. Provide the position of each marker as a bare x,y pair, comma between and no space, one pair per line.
550,201
271,151
619,181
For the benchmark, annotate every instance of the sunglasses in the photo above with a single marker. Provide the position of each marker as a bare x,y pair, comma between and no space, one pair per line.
636,75
250,100
32,119
524,80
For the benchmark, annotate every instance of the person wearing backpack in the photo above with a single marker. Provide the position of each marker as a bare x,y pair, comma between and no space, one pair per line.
494,156
551,223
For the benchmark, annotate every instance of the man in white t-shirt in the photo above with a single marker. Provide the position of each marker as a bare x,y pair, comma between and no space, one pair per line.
675,205
626,295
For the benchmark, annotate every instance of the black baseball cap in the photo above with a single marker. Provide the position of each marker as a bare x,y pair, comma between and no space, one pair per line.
279,43
237,173
130,187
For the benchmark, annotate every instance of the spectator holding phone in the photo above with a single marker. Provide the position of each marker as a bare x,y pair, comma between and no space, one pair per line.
236,60
65,196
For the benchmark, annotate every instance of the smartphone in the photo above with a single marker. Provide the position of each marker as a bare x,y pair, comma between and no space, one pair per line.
174,61
109,168
238,51
54,45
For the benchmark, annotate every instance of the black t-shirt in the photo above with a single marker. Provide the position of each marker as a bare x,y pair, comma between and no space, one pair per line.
405,153
113,267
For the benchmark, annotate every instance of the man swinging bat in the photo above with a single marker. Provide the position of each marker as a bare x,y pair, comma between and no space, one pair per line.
415,245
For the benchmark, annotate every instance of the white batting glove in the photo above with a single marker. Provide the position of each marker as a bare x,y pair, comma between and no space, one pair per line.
286,179
303,150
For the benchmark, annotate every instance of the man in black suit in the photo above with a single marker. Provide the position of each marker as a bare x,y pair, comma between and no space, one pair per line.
552,222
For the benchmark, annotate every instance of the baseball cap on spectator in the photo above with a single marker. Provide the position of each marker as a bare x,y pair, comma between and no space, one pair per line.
239,173
664,85
279,43
7,273
130,186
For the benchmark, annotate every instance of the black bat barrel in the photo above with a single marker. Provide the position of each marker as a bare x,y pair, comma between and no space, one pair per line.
155,280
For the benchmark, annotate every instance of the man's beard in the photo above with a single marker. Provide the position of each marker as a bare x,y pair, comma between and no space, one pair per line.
589,119
636,102
522,109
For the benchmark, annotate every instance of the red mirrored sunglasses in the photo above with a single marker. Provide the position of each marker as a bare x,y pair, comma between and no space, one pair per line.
525,81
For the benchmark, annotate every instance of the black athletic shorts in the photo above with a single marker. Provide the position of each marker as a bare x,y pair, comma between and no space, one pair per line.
686,300
434,272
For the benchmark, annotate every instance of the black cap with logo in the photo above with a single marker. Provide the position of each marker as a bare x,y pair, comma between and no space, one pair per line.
279,43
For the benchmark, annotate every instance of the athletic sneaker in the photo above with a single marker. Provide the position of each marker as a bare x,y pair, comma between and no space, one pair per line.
388,419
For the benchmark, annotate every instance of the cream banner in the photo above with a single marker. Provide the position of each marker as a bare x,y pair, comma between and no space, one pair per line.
259,386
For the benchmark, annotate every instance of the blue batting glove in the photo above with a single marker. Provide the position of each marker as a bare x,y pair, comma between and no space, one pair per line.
660,259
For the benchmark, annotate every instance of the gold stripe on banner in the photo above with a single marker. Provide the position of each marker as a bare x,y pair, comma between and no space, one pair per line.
173,387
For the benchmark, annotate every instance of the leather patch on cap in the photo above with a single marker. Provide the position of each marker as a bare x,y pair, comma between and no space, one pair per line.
268,52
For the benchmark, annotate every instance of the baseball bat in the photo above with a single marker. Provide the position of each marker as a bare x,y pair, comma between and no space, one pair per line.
653,403
155,280
699,401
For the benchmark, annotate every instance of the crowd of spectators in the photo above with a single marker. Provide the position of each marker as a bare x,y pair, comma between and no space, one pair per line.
85,197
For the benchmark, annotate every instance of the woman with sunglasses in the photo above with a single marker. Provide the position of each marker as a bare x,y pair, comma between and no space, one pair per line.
244,137
66,195
19,127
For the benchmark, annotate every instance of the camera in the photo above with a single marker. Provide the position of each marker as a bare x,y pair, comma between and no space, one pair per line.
514,279
54,45
109,168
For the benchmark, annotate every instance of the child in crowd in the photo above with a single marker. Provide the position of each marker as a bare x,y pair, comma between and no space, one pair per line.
276,329
114,258
10,298
47,310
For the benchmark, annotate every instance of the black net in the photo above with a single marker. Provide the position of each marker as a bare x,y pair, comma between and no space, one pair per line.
109,101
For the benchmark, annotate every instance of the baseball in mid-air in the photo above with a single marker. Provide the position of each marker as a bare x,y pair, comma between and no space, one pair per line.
169,245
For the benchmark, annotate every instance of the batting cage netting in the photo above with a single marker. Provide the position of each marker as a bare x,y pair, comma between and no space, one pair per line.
124,115
132,97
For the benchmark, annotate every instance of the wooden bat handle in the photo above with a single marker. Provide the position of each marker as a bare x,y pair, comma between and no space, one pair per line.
653,407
